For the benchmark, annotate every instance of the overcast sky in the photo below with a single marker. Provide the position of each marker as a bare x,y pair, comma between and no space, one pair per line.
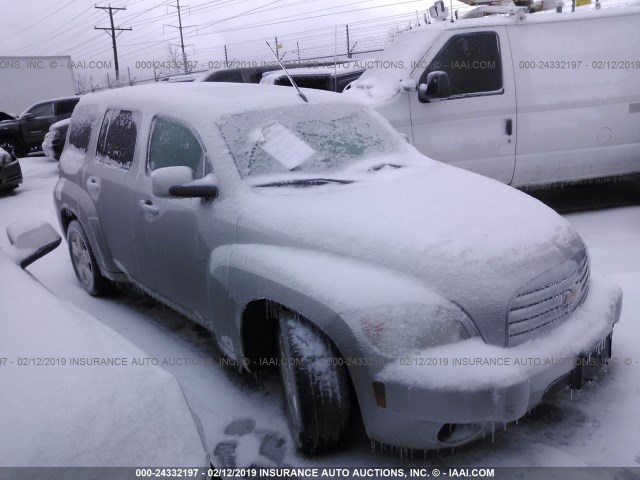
305,28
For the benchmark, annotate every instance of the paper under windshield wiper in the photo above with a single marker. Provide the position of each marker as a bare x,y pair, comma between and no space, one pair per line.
305,182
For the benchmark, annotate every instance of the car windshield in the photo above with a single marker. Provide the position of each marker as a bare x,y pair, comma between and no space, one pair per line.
308,139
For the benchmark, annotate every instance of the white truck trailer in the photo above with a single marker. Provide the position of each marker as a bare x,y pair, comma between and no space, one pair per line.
27,80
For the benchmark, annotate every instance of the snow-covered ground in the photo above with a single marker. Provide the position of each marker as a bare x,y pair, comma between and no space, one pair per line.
244,421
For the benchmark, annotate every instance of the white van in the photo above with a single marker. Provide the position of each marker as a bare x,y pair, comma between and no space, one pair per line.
524,99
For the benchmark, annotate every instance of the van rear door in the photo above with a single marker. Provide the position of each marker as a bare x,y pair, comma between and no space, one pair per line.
474,128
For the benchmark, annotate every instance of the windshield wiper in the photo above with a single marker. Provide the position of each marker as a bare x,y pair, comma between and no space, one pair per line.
305,182
384,165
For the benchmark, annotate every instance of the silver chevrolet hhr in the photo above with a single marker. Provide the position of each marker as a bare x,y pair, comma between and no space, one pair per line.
312,236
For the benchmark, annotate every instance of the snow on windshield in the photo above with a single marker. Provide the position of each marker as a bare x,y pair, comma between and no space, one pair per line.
305,138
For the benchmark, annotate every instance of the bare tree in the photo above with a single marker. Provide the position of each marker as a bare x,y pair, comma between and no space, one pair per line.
175,61
83,83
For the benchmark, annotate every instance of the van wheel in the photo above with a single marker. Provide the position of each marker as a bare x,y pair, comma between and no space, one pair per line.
316,389
84,262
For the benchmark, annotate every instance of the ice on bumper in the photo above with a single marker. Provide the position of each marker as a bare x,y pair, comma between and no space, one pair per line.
523,372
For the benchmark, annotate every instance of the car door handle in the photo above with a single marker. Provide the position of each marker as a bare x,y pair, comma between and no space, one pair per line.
509,126
145,206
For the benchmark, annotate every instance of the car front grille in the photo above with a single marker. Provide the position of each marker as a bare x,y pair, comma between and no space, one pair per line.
551,298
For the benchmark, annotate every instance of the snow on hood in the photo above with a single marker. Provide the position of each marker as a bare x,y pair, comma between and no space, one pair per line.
382,77
470,239
63,415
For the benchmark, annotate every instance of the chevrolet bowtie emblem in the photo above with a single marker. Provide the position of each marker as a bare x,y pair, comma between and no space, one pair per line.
570,296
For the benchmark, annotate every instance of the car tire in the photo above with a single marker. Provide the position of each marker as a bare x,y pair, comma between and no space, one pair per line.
11,147
84,261
8,190
315,386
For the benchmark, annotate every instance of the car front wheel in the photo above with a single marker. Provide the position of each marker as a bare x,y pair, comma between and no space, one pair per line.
84,262
315,385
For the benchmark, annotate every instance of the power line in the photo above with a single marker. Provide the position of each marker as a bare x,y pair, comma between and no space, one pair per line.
113,34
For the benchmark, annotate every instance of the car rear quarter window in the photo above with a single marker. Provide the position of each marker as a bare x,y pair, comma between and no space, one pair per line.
172,144
65,108
233,77
117,139
82,123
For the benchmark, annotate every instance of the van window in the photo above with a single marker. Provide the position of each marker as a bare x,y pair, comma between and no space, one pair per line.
82,122
472,62
173,144
117,140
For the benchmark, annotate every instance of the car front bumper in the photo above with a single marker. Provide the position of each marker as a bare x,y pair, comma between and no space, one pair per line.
454,394
10,175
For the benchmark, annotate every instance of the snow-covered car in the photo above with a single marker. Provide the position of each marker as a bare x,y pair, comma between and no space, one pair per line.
74,392
313,237
54,140
10,172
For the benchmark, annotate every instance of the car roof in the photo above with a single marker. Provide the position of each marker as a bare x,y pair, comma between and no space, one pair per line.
48,100
211,100
57,99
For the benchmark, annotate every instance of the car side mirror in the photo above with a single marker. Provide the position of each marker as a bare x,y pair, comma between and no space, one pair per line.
408,85
29,116
164,178
435,88
206,187
31,241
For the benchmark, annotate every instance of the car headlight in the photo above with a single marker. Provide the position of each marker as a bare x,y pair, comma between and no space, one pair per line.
5,159
392,331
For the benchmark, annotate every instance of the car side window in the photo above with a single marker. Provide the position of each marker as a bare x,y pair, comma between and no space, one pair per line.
172,144
42,110
472,63
233,77
82,122
117,139
65,108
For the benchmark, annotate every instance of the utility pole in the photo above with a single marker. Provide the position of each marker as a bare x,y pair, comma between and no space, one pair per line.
113,34
180,27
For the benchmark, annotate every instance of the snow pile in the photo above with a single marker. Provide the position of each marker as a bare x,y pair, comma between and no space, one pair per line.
102,410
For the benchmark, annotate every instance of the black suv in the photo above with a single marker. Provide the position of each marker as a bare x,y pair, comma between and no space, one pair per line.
27,132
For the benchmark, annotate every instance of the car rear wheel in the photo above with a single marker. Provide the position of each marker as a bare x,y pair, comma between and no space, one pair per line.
315,386
84,262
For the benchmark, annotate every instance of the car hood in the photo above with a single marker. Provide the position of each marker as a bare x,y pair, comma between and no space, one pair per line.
468,238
